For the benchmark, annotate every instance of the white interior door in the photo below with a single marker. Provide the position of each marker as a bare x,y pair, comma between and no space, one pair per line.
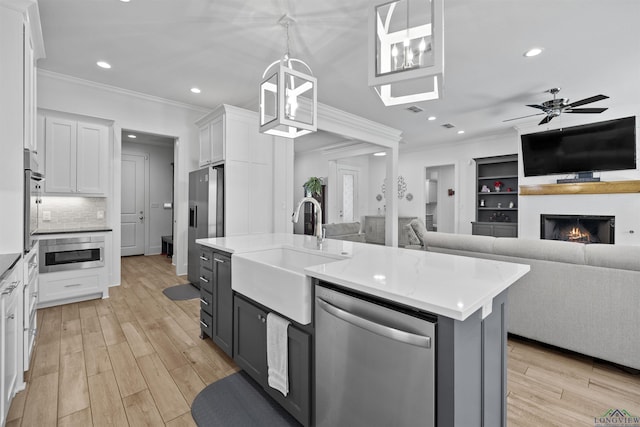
347,194
132,215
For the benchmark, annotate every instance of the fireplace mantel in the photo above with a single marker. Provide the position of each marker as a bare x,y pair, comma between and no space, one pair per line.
610,187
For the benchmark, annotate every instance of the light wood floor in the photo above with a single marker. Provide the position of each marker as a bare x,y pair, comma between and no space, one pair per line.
136,359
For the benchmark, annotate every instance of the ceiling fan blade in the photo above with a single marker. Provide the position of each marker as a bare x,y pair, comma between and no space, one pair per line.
523,117
586,110
545,120
588,100
539,107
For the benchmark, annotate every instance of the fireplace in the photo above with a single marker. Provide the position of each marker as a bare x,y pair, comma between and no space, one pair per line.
578,228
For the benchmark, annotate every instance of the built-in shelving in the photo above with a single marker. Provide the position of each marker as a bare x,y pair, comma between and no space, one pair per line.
497,211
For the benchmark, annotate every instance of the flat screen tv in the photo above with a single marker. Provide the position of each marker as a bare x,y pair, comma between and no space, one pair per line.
602,146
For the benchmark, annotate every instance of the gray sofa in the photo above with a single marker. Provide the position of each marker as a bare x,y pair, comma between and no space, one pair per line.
344,231
584,298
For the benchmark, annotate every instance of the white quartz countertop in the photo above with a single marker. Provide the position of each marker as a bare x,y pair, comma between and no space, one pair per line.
448,285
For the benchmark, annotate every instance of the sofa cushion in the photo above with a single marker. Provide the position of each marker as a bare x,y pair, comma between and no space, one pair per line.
612,256
342,229
419,229
411,235
461,242
549,250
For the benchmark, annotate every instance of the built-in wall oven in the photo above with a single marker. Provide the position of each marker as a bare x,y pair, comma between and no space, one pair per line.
33,182
73,253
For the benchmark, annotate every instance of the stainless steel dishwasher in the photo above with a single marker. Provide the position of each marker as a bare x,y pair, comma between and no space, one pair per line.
375,364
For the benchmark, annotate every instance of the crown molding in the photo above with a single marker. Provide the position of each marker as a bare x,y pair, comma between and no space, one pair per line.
118,90
337,121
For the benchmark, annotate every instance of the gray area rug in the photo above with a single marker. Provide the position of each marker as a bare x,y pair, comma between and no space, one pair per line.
180,292
238,401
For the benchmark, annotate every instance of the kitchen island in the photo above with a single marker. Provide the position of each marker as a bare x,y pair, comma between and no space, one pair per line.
464,297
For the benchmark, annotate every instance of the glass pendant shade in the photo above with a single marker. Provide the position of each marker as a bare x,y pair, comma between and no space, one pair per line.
406,58
288,100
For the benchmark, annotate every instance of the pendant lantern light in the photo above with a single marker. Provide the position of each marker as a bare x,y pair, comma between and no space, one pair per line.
288,95
406,51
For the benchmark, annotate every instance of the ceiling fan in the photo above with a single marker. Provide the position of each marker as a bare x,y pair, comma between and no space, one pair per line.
556,106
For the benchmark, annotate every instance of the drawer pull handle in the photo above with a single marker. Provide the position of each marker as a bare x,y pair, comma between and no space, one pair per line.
73,285
261,318
204,301
204,279
221,261
11,317
204,324
203,258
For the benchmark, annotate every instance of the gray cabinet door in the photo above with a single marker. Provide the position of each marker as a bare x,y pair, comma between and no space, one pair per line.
481,229
222,327
298,401
250,353
250,339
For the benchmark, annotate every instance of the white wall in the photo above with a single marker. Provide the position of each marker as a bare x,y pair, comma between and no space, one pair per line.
131,110
412,167
160,186
412,164
624,207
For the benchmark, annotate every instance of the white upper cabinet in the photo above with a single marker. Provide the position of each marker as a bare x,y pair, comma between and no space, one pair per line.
212,137
91,158
75,156
230,135
29,91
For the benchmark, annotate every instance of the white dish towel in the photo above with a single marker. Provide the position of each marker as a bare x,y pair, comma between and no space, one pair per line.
277,353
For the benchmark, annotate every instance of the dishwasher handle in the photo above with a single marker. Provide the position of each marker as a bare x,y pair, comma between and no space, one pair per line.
376,328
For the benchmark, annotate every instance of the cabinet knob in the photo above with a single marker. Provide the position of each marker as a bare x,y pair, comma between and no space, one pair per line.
261,318
11,317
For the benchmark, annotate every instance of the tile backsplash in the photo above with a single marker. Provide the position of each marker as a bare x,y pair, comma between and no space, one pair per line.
72,212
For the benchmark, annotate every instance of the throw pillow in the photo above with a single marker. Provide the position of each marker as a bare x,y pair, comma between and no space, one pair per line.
412,239
419,229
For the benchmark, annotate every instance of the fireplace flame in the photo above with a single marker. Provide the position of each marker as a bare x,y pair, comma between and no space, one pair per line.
578,234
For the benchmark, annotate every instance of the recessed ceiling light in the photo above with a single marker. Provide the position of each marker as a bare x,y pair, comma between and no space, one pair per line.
103,64
380,154
132,136
195,90
534,51
125,1
460,132
431,118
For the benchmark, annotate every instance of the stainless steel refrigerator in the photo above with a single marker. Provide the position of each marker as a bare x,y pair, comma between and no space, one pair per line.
206,213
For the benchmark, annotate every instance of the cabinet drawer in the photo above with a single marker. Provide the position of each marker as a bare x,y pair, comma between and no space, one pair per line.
206,259
206,280
67,287
206,301
205,323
